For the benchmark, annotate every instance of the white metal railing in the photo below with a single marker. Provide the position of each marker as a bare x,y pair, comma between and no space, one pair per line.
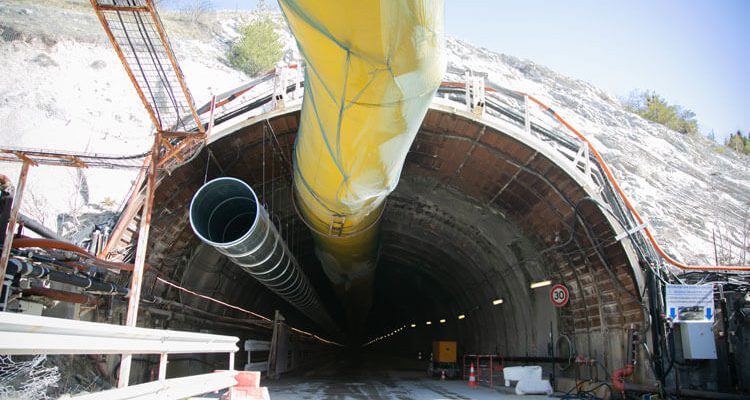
176,388
251,346
22,334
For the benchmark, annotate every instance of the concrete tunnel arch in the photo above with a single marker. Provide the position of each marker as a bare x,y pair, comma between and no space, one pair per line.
478,204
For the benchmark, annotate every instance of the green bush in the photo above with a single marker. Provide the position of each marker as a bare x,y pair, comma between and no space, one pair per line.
655,108
258,48
739,142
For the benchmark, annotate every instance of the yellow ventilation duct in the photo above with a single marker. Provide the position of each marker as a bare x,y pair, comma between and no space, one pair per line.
372,70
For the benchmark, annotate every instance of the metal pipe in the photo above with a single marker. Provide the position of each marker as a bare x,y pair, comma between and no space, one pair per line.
523,359
24,242
62,295
225,213
170,305
16,266
686,393
618,377
41,230
8,238
6,202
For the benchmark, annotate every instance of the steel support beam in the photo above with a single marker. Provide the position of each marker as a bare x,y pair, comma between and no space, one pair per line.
136,280
8,242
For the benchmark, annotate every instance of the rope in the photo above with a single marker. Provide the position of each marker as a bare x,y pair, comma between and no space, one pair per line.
178,287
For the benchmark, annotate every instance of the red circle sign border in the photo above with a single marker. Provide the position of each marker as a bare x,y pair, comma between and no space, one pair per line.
564,289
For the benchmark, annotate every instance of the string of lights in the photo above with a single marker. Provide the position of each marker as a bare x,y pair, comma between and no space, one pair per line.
495,302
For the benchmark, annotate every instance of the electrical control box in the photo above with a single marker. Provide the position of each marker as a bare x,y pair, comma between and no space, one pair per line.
29,307
444,351
698,341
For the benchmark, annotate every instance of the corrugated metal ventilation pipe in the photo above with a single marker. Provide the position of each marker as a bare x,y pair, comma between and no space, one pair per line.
225,214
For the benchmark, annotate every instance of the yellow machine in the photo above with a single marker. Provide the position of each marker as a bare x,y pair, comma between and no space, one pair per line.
372,69
444,361
444,352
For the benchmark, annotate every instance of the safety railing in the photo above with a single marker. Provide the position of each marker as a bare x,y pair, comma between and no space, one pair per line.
22,334
488,368
485,100
257,350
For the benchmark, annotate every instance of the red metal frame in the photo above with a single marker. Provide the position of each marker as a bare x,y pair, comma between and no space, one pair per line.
485,370
8,242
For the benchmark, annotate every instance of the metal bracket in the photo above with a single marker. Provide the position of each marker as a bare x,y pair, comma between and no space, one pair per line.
475,95
336,228
631,231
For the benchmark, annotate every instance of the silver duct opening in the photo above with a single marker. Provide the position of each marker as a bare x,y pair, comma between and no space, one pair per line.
225,214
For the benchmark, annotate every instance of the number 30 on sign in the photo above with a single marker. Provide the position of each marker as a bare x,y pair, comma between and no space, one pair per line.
559,295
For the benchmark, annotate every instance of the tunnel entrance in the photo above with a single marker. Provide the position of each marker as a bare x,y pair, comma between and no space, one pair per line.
480,214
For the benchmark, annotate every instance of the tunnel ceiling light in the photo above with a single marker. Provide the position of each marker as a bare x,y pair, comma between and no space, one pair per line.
442,321
429,322
497,301
461,316
540,284
413,325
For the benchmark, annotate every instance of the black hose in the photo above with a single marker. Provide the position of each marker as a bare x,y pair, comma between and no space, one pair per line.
23,268
654,306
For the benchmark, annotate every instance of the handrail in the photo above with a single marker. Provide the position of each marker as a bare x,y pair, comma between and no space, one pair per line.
22,334
31,334
609,176
615,184
174,388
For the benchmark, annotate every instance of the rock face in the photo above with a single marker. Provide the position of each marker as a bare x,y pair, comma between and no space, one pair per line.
682,185
64,88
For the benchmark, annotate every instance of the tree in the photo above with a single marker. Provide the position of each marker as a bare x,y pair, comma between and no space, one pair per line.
655,108
196,10
739,142
259,47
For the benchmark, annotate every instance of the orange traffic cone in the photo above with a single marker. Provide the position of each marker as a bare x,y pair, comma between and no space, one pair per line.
472,377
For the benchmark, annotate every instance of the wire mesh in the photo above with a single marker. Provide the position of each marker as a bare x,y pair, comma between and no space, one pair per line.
28,379
148,55
72,159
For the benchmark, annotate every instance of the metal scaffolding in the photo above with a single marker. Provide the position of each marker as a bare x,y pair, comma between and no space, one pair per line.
138,37
137,34
71,159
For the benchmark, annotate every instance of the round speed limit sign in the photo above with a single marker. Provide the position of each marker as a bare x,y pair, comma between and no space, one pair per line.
559,295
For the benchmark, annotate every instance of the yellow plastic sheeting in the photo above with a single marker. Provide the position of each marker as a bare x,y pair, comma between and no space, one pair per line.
372,69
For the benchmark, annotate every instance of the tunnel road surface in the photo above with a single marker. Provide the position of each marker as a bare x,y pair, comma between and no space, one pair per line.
376,377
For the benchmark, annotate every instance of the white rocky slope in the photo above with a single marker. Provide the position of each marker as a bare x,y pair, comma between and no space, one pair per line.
62,87
683,185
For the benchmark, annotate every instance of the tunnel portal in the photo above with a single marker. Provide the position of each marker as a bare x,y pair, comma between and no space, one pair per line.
482,211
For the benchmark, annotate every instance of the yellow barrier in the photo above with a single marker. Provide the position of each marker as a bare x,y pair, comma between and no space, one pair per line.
373,67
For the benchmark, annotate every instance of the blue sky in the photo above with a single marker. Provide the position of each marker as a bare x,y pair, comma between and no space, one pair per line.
694,53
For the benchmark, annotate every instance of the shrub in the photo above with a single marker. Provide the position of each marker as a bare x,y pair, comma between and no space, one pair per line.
739,142
258,48
655,108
